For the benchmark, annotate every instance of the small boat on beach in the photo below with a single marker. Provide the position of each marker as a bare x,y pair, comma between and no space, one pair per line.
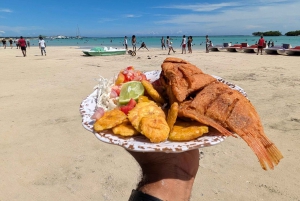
235,47
250,49
274,49
104,51
214,48
291,51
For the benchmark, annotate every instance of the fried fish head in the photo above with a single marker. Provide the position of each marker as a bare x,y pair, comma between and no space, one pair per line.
125,129
187,130
155,128
109,120
144,109
152,92
172,115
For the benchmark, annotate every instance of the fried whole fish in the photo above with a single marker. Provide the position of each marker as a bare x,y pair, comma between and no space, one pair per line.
202,98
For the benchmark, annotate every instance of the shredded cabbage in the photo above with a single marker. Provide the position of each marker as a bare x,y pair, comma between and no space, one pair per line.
103,96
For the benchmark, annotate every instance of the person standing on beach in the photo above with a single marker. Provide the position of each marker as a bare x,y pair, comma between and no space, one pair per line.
207,43
4,43
133,42
17,43
42,46
183,44
10,43
22,44
169,44
260,45
162,41
189,44
28,43
125,43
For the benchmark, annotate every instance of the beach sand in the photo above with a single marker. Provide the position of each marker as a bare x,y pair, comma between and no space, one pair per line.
47,155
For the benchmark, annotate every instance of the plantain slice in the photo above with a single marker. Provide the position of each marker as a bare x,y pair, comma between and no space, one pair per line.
150,120
185,131
155,128
109,120
125,129
152,92
172,115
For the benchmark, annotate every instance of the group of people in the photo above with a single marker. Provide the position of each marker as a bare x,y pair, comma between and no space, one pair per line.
185,42
133,42
23,44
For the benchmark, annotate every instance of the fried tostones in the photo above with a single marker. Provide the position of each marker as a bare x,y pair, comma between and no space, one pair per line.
155,128
185,131
109,120
152,92
150,120
125,129
172,115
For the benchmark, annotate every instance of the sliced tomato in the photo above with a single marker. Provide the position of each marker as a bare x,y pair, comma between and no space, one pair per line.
130,105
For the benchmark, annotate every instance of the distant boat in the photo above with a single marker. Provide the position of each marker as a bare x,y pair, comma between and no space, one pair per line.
78,33
104,51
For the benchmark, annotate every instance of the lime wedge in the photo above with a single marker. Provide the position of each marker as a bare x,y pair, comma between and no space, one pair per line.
133,89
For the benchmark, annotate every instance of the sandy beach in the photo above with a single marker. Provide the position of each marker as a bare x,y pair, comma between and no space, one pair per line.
47,155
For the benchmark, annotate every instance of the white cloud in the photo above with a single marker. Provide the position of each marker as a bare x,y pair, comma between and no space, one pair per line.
240,20
132,16
202,7
4,10
2,31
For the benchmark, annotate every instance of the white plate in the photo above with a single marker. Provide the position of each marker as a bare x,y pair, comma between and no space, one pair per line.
140,143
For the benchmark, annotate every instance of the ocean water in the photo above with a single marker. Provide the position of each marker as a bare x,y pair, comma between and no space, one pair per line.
154,42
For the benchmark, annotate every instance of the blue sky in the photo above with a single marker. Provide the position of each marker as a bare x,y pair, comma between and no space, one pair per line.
147,17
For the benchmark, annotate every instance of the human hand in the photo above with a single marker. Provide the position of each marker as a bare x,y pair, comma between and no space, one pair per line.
168,176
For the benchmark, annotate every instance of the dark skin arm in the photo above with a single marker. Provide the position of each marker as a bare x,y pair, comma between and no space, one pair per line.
168,176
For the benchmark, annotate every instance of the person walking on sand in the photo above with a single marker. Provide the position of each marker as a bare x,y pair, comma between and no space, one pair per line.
162,41
260,45
183,44
42,46
4,43
169,44
133,42
22,44
207,43
125,43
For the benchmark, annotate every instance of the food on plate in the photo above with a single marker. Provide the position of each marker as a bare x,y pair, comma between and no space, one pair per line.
152,92
187,130
202,98
109,120
125,129
150,120
172,115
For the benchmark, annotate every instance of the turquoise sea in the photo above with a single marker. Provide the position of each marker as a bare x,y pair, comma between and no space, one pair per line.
154,42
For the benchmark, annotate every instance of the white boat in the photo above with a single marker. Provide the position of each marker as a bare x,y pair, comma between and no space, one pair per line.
104,51
234,48
250,49
274,49
291,51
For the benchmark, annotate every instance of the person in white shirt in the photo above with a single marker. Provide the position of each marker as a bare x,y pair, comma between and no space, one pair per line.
183,44
42,46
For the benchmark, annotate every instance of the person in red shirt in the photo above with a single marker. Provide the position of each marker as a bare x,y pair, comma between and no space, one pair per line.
23,45
260,45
